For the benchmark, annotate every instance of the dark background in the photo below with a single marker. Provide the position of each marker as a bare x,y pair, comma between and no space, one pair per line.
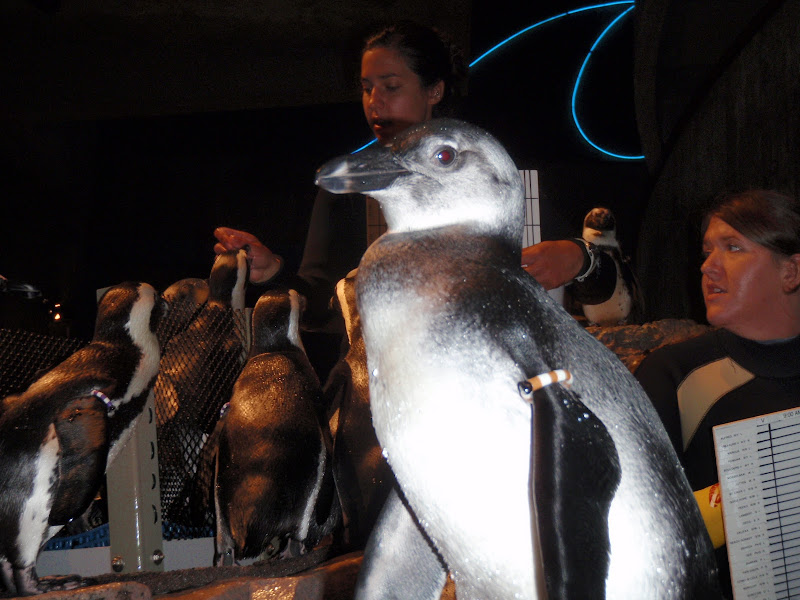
128,131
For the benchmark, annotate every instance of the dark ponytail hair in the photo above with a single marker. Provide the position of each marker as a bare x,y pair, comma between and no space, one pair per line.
430,55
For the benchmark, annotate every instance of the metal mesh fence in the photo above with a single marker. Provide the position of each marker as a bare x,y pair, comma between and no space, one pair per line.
199,366
204,349
24,355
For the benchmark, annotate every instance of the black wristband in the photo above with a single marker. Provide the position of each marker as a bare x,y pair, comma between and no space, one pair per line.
589,258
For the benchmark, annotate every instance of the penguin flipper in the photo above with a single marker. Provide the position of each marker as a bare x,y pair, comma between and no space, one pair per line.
576,472
82,431
399,561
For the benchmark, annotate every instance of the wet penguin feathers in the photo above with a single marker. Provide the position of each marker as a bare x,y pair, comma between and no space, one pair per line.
276,323
198,368
58,436
274,490
119,361
452,324
185,298
580,483
228,278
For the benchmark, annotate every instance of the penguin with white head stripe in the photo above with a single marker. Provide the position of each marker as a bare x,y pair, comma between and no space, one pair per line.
58,437
274,490
625,305
452,324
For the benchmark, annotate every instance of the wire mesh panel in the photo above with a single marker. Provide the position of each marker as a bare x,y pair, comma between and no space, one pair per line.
204,349
199,366
25,355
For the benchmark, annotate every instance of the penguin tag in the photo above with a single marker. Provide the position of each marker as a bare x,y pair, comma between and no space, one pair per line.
104,399
529,386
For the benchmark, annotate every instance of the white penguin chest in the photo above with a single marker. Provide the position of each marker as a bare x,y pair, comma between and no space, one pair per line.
614,310
456,433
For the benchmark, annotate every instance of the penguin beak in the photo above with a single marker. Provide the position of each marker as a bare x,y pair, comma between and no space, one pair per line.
367,171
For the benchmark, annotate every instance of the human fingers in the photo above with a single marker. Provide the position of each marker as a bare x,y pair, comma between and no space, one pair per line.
233,239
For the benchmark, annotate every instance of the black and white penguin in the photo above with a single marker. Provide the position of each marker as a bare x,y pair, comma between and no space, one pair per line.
452,324
196,376
363,477
58,437
625,304
274,490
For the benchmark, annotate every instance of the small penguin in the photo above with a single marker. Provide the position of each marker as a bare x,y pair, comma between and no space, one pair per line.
195,379
58,437
273,490
625,304
363,477
570,492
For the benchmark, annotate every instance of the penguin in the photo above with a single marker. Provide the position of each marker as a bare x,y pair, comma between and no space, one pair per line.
185,298
625,305
196,376
363,477
274,491
493,475
58,437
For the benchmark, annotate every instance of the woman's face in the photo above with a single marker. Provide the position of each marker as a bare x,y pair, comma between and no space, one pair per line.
743,284
392,94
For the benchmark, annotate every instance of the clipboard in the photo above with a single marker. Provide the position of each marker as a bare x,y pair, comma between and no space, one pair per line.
758,461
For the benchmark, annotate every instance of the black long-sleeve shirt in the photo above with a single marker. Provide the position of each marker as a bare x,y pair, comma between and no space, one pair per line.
713,379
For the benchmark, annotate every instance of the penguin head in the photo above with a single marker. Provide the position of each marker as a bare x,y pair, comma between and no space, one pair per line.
439,173
276,321
227,282
191,290
600,227
130,311
183,299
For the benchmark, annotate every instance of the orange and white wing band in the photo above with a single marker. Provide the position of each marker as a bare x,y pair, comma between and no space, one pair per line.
529,386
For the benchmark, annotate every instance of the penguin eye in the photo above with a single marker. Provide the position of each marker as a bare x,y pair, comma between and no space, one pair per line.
446,155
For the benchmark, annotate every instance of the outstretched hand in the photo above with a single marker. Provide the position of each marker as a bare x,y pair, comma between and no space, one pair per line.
553,263
264,264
